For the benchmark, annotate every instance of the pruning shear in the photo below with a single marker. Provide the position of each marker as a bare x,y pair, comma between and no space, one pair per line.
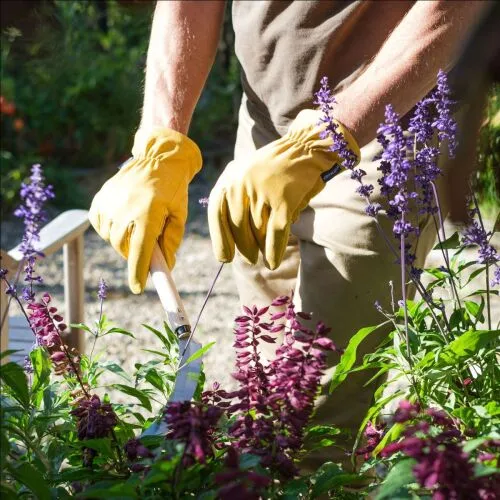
187,376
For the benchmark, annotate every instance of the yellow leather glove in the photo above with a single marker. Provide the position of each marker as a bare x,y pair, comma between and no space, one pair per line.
255,201
146,201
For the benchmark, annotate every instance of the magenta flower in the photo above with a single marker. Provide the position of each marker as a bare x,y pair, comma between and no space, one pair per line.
237,483
94,419
441,466
194,425
275,401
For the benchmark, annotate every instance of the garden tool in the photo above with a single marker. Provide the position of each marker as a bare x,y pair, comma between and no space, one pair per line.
187,377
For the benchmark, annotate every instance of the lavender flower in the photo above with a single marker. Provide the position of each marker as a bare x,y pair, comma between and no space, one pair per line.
475,234
103,289
444,123
325,100
496,277
34,195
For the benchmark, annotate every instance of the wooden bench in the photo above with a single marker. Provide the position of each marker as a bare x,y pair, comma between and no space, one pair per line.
66,232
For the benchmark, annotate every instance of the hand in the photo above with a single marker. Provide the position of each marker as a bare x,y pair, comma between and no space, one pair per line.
255,201
146,201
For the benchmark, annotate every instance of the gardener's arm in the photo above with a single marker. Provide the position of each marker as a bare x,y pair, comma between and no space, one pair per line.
405,69
182,48
146,201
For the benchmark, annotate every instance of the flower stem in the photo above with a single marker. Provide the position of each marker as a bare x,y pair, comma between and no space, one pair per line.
403,293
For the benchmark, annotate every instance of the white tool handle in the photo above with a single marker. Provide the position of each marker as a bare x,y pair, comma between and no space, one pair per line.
168,294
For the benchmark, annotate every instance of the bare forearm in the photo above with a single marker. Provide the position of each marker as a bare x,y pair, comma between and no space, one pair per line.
182,48
405,69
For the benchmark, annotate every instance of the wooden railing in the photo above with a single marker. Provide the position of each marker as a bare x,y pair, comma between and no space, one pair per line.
66,232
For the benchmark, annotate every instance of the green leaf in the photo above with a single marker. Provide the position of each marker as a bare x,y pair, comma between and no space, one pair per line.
15,378
462,348
166,342
8,352
110,489
296,488
41,368
392,435
349,357
320,431
82,326
452,242
399,476
330,476
121,331
154,378
102,445
136,393
114,368
32,478
199,353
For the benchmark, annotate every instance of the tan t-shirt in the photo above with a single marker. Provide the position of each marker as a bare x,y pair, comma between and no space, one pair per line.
286,47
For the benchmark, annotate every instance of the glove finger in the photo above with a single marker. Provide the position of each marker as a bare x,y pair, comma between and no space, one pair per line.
142,242
278,232
259,222
171,238
119,237
240,224
218,225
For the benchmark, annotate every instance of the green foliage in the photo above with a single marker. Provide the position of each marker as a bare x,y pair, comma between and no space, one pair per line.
487,177
77,86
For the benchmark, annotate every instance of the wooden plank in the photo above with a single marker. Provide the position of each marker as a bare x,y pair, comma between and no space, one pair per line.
58,232
74,290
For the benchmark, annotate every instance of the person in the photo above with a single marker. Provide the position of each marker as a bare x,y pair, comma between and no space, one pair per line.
271,213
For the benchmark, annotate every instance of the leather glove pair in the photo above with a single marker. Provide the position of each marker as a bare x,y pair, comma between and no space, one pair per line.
251,207
146,201
255,201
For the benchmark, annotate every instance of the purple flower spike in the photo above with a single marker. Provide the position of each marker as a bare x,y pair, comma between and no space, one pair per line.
34,195
475,234
103,289
325,100
445,124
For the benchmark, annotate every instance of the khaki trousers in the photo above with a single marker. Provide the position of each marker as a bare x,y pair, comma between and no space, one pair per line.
338,265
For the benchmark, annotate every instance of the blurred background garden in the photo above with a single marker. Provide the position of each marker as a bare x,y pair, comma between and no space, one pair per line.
71,84
72,76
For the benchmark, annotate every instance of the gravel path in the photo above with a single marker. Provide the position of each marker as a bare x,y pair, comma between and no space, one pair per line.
194,272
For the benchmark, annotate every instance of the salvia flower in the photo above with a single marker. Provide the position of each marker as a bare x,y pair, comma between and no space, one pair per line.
275,400
442,466
373,435
94,418
34,195
194,425
238,483
134,449
48,327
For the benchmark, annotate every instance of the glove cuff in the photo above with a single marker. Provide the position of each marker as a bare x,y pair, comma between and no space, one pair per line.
308,129
162,143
